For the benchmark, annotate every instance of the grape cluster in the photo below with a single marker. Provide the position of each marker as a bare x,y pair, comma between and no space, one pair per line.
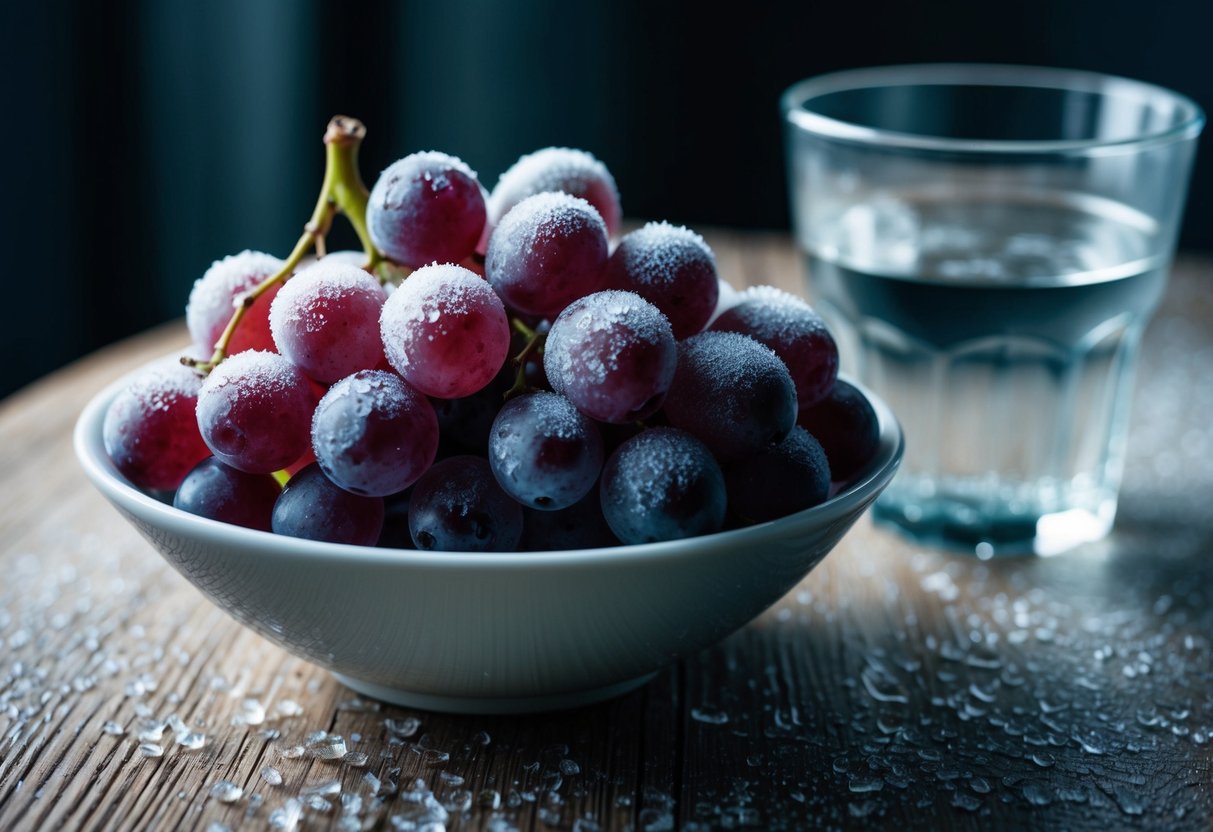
532,382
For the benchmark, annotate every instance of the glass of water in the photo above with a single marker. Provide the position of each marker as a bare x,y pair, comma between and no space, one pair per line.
987,244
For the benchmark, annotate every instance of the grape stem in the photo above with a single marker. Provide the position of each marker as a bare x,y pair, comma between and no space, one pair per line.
534,345
342,192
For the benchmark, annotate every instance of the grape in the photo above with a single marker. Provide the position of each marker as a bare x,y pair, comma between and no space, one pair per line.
732,393
445,331
574,172
465,422
846,426
779,480
254,410
373,434
543,452
151,431
426,208
788,325
326,320
312,507
213,298
227,494
548,251
612,354
457,506
662,484
395,534
672,268
580,526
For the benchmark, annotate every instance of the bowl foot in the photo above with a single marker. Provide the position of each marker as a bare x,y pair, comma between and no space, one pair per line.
492,704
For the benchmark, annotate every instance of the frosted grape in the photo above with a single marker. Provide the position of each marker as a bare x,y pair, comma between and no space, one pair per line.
255,410
612,354
445,331
796,333
549,250
732,393
325,319
373,434
662,484
213,297
426,208
543,452
151,430
672,268
574,172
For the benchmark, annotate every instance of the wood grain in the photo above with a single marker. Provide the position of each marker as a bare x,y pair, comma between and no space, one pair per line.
896,686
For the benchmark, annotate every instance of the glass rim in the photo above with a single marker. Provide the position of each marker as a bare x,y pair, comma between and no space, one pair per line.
796,98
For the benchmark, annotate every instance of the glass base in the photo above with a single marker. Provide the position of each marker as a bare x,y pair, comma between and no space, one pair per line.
956,525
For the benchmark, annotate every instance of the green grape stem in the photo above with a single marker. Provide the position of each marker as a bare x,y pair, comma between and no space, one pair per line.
342,191
534,345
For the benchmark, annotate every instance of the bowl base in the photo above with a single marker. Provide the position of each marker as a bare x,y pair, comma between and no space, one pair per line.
487,705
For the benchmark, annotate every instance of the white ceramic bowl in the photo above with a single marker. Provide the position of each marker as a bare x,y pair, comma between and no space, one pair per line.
490,633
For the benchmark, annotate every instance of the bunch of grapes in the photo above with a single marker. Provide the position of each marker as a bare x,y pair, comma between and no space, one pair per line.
496,371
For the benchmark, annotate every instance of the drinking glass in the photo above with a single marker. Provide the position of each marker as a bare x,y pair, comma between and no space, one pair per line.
987,244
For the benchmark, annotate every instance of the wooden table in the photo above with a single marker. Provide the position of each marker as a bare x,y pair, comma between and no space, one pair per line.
896,686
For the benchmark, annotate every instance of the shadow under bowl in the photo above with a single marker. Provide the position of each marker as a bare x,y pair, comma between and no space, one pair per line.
490,633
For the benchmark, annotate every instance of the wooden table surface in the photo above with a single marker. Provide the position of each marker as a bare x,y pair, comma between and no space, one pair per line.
896,686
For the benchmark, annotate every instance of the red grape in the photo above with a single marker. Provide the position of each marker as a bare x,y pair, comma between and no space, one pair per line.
548,251
213,299
325,320
574,172
457,506
227,494
847,427
445,331
150,430
426,208
255,411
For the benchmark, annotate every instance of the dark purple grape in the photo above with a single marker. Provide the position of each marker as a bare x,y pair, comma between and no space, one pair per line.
544,452
662,484
227,494
373,434
312,507
151,429
254,410
732,393
788,325
847,428
672,268
612,354
426,208
464,423
779,480
548,251
457,506
580,526
395,533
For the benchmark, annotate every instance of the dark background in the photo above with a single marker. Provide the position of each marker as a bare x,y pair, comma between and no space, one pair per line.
144,140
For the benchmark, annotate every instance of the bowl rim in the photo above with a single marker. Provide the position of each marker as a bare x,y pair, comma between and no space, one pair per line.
90,453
